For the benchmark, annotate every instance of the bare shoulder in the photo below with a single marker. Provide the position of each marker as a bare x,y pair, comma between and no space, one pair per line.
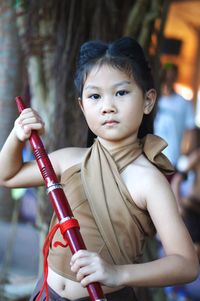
144,181
153,177
64,158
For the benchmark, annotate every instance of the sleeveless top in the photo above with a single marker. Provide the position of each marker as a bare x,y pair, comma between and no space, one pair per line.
111,224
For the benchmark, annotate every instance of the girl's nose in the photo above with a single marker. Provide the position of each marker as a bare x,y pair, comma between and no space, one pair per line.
108,106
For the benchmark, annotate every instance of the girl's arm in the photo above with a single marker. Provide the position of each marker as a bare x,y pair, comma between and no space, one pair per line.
179,265
14,172
175,185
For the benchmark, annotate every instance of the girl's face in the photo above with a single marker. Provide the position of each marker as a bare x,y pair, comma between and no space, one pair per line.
113,105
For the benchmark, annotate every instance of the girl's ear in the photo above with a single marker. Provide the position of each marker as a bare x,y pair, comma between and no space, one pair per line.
149,101
80,104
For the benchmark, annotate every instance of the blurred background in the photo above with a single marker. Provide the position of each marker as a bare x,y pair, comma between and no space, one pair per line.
39,42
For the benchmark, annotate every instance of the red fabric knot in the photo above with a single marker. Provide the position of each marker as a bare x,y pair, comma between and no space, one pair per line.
66,225
63,226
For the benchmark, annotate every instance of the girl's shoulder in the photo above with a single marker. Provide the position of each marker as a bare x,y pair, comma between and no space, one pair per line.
142,179
67,157
152,176
144,166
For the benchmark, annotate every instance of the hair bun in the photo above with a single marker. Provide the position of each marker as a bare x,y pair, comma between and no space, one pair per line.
125,54
91,50
128,47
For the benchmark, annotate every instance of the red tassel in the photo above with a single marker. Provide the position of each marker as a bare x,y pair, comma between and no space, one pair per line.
68,224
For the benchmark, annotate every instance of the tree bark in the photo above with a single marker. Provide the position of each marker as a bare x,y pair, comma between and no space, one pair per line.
11,78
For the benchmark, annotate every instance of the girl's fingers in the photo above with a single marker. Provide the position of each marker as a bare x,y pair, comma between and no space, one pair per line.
29,113
31,120
82,258
90,267
27,121
81,254
85,271
89,279
29,127
79,263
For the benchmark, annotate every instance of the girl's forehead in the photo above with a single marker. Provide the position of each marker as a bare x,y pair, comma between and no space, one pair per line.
107,78
100,72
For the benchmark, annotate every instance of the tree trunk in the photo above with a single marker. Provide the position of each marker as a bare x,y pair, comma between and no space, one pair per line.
10,86
51,34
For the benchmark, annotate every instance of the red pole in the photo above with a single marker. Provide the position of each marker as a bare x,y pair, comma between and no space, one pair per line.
59,201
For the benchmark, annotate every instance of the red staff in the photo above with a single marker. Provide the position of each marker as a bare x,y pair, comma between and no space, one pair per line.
67,223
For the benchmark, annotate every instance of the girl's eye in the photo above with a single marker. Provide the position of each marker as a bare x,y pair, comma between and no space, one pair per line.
121,93
94,96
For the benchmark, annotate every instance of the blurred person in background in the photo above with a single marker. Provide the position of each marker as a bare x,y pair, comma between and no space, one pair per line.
174,114
186,187
175,122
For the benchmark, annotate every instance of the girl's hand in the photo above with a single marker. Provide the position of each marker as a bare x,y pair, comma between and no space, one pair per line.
90,267
27,121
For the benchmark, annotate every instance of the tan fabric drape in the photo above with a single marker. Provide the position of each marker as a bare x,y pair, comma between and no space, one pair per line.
110,222
107,195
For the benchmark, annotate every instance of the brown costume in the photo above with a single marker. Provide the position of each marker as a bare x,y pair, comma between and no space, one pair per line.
110,222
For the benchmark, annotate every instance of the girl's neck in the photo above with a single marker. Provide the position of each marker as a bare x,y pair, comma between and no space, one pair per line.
112,145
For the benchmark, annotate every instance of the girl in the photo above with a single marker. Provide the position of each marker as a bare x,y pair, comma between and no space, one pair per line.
116,188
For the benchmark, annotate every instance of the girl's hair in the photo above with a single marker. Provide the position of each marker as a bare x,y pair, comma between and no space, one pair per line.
124,54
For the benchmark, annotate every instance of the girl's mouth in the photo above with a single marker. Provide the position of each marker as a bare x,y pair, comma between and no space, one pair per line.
111,122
